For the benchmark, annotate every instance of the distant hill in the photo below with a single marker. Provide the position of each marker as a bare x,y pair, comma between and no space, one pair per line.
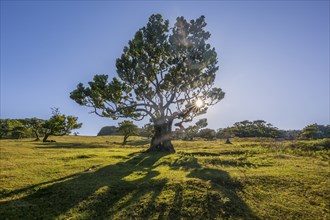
108,130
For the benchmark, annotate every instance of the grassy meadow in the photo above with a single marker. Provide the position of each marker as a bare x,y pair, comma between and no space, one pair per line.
81,177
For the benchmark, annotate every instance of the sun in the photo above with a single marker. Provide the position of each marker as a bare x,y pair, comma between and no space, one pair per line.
199,103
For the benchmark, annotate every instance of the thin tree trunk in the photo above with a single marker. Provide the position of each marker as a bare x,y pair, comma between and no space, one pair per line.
125,139
45,138
37,136
161,141
228,141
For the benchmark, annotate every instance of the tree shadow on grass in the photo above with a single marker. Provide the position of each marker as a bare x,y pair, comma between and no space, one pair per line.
133,143
59,145
93,193
129,190
225,197
176,209
35,187
208,154
203,154
137,143
214,190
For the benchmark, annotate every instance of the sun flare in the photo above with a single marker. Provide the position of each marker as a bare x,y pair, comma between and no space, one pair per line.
199,103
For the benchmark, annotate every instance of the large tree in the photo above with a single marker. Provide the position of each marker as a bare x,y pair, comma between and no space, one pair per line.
165,73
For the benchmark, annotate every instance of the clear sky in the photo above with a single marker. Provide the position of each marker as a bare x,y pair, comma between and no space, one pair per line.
273,56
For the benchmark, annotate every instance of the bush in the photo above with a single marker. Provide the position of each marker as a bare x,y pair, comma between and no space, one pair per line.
207,134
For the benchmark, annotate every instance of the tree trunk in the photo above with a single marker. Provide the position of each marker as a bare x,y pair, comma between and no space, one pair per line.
125,140
45,138
37,136
228,141
161,141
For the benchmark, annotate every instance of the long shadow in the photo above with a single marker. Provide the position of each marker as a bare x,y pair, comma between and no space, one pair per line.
221,201
59,145
203,154
33,187
137,143
231,163
176,209
226,201
102,188
206,154
116,191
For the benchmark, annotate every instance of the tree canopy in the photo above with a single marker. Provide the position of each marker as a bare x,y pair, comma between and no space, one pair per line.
191,132
60,124
127,128
36,126
164,73
246,128
315,131
207,133
13,128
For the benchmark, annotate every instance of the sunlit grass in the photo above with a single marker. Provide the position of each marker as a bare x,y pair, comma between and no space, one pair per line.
97,178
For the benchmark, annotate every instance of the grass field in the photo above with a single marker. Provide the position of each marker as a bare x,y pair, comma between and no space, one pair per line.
98,178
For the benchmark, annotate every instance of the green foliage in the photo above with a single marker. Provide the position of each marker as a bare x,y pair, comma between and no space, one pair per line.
191,132
34,127
315,131
207,134
13,128
60,124
258,128
290,134
127,128
4,127
35,124
18,129
162,72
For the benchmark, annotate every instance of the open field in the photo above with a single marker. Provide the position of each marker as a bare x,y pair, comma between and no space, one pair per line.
98,178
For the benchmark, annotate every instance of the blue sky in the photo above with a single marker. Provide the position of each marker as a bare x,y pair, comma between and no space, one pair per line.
273,56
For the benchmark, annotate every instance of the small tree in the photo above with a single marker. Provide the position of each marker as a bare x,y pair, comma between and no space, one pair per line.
207,133
127,128
36,126
18,130
60,124
193,130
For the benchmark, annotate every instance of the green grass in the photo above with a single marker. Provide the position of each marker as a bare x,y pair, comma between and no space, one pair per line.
98,178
